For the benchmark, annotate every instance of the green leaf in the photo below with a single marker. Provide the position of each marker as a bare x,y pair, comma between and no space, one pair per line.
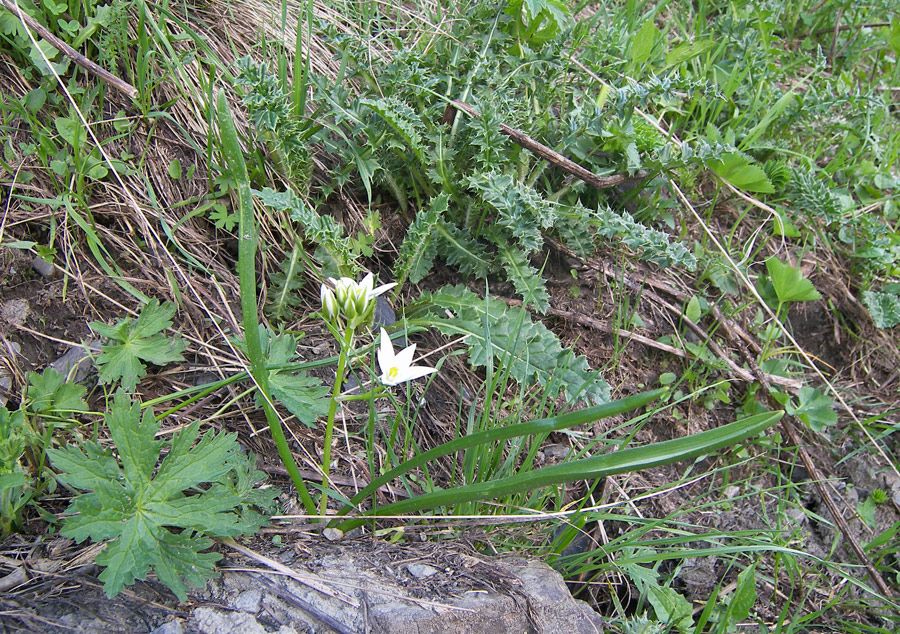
418,250
815,408
306,397
894,37
866,511
622,461
642,43
136,504
528,349
883,307
49,393
689,50
693,311
174,169
527,280
739,170
743,599
531,428
789,283
134,341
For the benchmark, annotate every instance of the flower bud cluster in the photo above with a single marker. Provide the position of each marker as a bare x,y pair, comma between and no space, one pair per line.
351,302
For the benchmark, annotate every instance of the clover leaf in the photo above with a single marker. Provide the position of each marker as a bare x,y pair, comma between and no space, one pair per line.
157,518
134,341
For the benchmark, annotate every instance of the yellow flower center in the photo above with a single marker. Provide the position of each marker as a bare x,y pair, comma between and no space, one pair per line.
393,372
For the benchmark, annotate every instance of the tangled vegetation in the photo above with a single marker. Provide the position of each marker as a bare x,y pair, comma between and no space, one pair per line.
664,236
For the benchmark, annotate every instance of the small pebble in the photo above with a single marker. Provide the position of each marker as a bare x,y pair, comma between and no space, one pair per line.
43,267
420,571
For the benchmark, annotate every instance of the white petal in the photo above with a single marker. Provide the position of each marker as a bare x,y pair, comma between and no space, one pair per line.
416,372
385,353
383,289
404,357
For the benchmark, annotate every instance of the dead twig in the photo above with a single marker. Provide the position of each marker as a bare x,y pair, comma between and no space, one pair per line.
557,159
70,52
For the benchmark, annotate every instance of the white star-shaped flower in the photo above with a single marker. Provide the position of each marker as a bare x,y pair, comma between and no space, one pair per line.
398,368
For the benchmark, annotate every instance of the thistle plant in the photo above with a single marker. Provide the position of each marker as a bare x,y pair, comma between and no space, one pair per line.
349,306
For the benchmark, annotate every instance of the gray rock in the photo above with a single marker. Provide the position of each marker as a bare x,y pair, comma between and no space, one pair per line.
170,627
77,358
43,267
523,596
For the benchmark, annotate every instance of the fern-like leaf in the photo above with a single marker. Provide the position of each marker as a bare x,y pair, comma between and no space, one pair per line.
417,252
529,349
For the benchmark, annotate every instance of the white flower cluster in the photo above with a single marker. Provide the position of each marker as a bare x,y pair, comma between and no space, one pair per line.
351,301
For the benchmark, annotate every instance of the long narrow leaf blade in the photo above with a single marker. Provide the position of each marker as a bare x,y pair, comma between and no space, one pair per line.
543,426
622,461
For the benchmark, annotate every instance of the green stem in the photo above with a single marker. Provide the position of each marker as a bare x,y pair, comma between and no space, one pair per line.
346,346
247,242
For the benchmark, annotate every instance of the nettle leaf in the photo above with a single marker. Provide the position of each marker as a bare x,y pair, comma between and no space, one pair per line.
529,349
133,341
49,393
789,283
156,518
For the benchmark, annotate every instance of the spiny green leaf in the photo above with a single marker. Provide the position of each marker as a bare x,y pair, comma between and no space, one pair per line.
417,252
530,350
134,341
527,280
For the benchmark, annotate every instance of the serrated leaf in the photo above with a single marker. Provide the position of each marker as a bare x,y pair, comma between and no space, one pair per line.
527,280
49,392
789,283
815,408
305,396
459,249
84,466
530,350
136,505
417,252
285,285
739,170
133,341
521,210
